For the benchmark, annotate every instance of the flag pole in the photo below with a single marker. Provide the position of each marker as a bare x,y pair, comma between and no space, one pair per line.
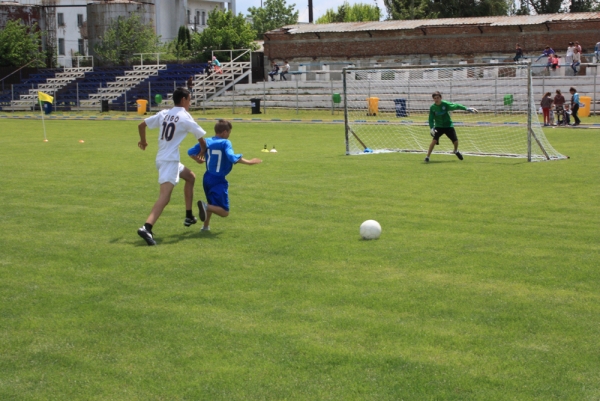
43,121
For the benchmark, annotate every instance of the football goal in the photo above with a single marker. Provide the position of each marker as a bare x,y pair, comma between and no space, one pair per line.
387,110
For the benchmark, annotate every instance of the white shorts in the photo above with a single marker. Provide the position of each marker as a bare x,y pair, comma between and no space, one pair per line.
169,171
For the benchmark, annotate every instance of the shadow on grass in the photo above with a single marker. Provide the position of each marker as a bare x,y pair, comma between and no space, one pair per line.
196,234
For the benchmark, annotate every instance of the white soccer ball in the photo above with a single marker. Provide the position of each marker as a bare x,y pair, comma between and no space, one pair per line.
370,229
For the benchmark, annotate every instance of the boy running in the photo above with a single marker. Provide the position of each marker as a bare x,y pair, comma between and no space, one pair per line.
220,159
440,122
176,123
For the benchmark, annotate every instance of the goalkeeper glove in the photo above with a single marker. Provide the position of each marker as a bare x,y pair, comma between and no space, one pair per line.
472,110
432,132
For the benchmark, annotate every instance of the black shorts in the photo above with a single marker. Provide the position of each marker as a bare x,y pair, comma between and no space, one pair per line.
449,132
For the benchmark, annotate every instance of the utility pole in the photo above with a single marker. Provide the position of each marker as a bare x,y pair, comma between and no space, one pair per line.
310,12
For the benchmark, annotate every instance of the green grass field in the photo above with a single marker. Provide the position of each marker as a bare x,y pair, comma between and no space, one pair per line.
483,286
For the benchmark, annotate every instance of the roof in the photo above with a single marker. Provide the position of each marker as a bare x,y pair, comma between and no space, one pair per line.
396,25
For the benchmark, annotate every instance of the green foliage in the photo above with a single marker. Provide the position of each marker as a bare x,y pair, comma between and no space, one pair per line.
224,32
182,46
351,13
578,6
124,38
427,9
20,44
274,14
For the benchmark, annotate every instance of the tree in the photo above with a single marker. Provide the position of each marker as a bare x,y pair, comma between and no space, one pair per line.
351,13
420,9
124,38
20,44
273,15
224,32
183,45
545,6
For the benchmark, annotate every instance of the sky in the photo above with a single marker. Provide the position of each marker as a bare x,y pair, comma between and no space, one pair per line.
319,6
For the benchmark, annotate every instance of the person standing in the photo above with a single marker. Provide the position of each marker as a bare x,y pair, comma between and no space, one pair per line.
576,60
174,126
569,55
440,123
597,51
575,106
546,104
220,159
559,104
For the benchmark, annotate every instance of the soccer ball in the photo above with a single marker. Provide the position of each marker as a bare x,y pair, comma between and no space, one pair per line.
370,229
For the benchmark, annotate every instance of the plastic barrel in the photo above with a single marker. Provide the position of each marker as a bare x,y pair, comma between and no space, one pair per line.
585,103
373,106
400,107
141,103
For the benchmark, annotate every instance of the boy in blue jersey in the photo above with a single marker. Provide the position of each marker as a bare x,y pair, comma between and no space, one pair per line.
220,158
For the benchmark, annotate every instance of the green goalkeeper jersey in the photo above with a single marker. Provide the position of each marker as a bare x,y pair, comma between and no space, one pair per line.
439,116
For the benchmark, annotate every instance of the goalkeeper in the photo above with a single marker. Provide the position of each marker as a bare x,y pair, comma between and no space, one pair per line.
440,122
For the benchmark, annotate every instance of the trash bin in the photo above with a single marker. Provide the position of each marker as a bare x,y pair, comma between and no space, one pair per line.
585,103
337,98
373,106
104,106
400,107
255,103
47,107
508,100
141,106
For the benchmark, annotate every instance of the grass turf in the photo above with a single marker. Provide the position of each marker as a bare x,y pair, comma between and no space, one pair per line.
484,284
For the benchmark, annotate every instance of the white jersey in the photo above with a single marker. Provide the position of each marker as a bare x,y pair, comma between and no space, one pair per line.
174,125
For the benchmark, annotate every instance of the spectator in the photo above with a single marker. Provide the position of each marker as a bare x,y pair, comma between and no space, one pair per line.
576,60
546,104
209,68
518,53
285,69
567,115
555,62
274,71
575,105
217,65
547,52
569,56
559,103
190,83
597,51
578,46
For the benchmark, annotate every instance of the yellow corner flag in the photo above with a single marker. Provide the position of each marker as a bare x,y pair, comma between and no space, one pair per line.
44,97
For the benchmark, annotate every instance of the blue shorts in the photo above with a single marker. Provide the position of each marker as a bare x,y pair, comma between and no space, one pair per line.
216,190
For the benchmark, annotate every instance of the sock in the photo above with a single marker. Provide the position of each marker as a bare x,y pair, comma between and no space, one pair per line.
148,227
188,214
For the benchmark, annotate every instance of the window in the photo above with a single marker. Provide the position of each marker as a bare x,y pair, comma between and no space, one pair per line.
203,17
79,20
197,20
189,17
80,47
61,19
61,46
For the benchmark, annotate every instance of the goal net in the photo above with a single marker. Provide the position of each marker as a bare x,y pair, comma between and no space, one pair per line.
387,110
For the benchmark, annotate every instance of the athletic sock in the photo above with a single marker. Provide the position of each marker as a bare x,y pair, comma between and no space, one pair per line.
148,227
188,214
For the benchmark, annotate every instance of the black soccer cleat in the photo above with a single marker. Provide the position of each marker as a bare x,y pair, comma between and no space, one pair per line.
427,159
202,210
459,155
189,221
147,236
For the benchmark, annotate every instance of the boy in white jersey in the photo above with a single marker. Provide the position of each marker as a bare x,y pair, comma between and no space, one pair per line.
174,126
220,159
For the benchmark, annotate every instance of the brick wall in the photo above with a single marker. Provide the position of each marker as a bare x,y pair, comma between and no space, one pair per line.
465,42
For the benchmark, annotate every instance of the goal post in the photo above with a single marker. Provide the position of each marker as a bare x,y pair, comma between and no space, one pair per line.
386,109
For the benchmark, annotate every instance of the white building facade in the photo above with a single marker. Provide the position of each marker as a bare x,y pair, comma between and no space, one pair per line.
71,22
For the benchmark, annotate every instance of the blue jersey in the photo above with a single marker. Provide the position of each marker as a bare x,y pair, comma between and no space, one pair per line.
220,157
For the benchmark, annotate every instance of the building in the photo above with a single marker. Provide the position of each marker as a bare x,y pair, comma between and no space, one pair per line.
430,41
64,23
